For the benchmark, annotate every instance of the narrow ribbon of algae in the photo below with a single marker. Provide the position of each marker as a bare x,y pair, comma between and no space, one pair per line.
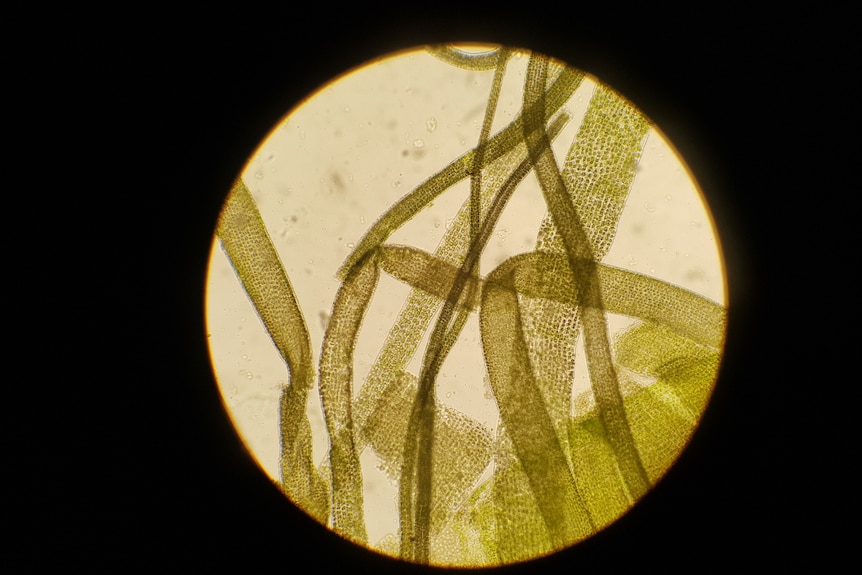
336,394
546,277
525,416
598,173
568,224
255,261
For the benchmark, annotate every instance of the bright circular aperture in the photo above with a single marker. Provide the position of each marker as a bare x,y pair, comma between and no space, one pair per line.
458,330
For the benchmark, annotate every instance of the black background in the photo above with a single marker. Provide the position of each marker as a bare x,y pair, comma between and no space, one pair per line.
130,462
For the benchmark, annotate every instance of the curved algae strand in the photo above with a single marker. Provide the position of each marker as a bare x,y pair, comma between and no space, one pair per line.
525,415
603,377
624,292
503,141
479,156
599,185
336,394
250,250
546,276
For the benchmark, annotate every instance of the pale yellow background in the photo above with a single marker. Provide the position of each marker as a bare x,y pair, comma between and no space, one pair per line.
346,155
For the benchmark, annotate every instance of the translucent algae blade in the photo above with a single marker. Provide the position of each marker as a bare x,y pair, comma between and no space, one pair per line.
598,174
662,413
463,448
547,277
683,366
568,224
249,248
525,416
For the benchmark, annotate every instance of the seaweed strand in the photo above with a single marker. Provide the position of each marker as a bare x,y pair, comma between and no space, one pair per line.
602,374
251,253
